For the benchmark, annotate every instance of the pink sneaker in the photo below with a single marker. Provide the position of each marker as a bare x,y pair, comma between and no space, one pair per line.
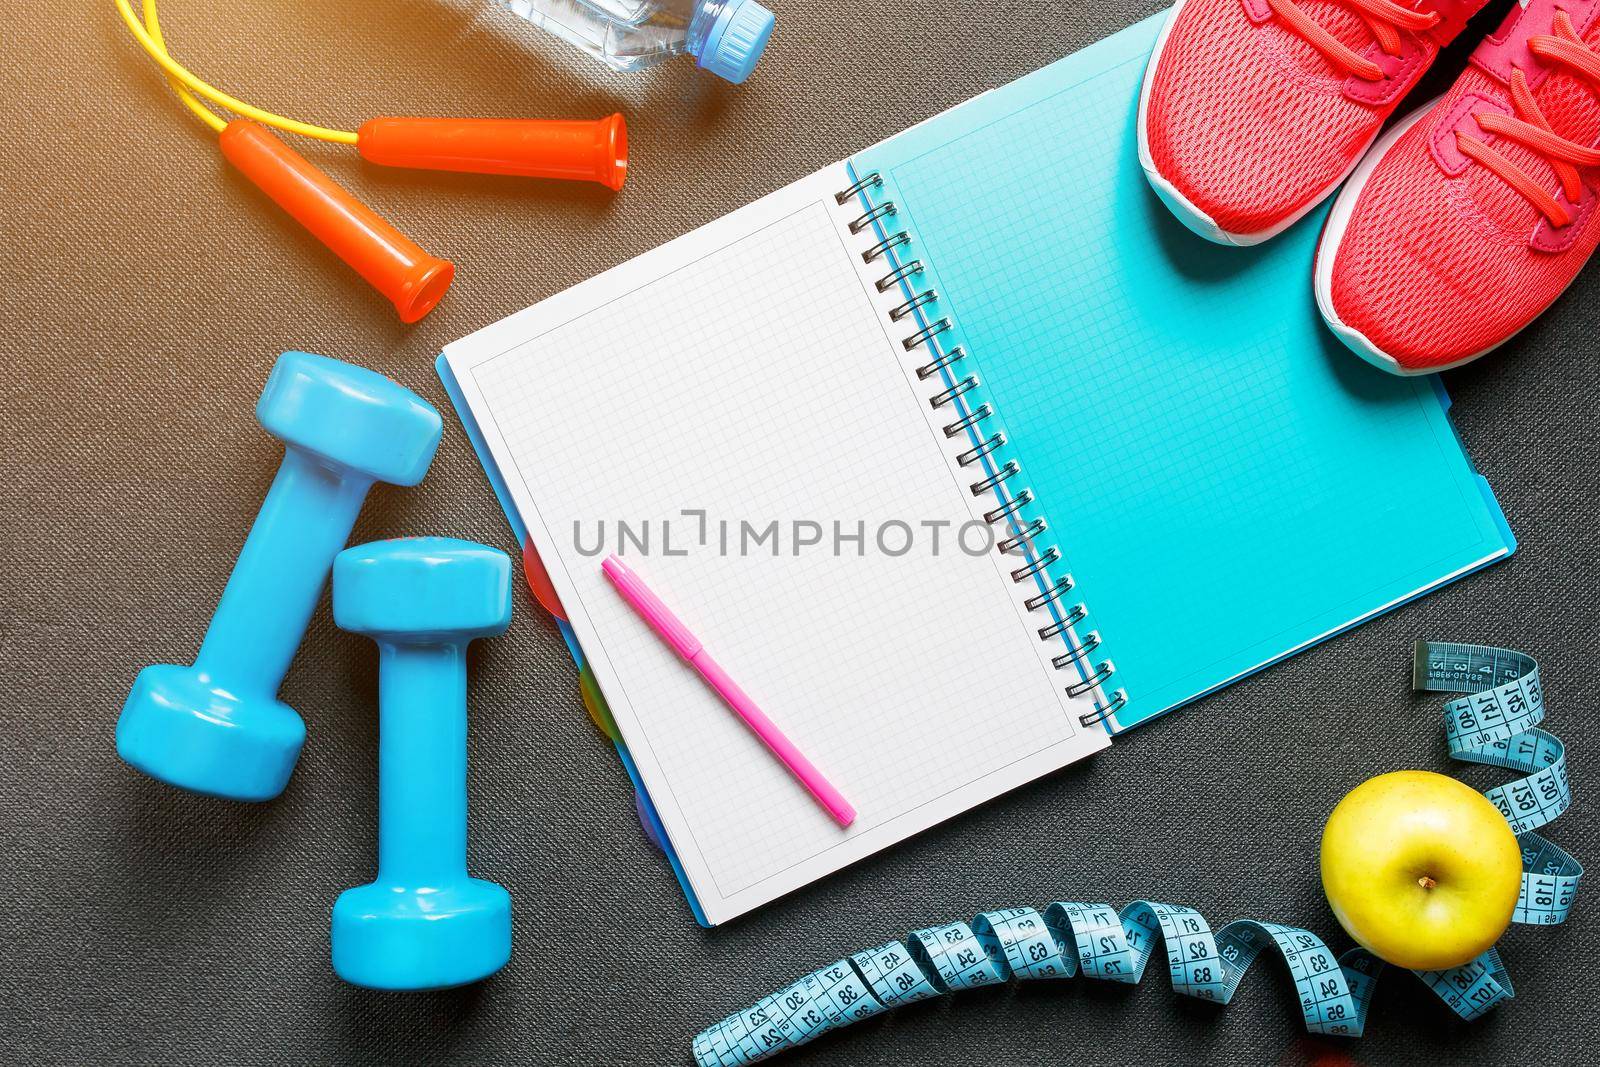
1472,215
1253,111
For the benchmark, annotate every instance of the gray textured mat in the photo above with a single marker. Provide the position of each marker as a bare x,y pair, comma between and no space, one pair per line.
147,291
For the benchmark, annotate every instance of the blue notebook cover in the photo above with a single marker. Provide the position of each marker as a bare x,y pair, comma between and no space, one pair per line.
1224,482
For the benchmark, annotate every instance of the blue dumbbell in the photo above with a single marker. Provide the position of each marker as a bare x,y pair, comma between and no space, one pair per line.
217,727
423,923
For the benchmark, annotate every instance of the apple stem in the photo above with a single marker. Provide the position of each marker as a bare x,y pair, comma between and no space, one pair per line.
1426,882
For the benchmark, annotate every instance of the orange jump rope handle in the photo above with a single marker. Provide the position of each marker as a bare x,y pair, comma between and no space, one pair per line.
534,148
395,265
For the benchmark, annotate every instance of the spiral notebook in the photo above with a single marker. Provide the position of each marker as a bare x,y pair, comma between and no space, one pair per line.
1152,469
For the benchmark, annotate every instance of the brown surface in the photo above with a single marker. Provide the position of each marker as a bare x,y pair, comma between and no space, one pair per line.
147,290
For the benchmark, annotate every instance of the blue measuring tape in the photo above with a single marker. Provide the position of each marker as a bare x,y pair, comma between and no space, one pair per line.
1494,724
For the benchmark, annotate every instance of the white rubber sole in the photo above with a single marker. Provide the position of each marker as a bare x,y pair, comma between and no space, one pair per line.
1328,251
1186,212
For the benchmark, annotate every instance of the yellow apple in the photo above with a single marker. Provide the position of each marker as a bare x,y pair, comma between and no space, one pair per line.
1422,870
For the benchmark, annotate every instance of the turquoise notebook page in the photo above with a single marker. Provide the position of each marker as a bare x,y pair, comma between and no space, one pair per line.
1226,483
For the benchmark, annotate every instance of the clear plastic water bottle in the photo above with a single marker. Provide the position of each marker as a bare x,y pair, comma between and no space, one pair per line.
726,37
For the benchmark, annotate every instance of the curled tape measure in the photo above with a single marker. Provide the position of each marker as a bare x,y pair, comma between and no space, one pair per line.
1495,724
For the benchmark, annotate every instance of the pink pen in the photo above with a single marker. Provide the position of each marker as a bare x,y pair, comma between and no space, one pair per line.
685,644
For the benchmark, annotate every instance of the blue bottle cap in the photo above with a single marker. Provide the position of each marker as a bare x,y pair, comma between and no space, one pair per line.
737,40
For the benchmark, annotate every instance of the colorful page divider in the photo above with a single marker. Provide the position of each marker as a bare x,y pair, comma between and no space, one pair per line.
1495,723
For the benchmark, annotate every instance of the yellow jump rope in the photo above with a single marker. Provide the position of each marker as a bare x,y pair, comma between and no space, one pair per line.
395,265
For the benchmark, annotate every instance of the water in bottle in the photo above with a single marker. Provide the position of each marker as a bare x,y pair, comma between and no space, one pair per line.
726,37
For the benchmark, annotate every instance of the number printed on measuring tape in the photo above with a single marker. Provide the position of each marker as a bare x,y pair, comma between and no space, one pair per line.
1495,723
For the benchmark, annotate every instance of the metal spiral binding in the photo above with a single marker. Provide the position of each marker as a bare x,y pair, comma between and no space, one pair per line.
898,275
928,370
871,181
910,306
1091,641
1021,531
1102,671
1034,528
1050,556
926,334
1075,614
882,211
1009,469
1063,586
1119,700
1009,508
965,385
961,425
882,247
977,452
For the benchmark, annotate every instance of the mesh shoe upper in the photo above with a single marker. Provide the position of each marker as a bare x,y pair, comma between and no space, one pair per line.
1253,125
1441,258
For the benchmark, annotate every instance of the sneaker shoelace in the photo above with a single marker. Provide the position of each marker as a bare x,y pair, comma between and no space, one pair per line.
1532,130
1384,19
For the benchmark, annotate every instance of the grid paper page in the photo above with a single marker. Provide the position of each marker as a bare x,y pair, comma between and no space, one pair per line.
1225,481
743,375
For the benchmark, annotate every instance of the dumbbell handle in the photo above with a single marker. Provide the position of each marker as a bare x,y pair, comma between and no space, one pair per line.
422,763
304,521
